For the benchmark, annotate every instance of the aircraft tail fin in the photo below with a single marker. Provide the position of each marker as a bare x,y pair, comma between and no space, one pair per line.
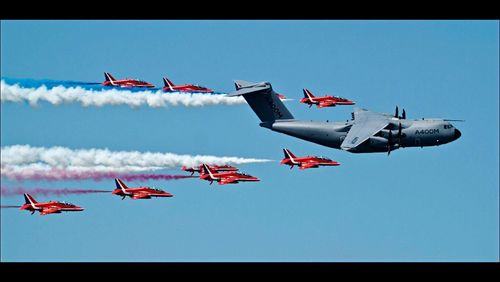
307,94
29,199
168,83
288,154
207,169
263,100
109,77
120,184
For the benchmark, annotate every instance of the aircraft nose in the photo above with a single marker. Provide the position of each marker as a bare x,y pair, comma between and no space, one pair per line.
457,134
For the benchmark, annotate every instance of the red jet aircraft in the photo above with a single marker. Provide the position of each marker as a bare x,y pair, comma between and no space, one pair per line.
47,207
138,193
306,162
325,101
111,81
230,177
170,87
215,168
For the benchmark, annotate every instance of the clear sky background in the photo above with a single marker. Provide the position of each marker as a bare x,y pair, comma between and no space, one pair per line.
431,204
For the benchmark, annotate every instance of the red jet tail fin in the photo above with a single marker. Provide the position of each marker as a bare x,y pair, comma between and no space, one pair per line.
308,94
168,83
207,170
109,77
29,199
288,154
120,184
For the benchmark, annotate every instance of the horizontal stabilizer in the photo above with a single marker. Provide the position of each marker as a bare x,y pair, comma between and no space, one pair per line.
244,91
263,100
242,84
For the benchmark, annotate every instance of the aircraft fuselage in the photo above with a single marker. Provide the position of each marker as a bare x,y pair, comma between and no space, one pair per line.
414,133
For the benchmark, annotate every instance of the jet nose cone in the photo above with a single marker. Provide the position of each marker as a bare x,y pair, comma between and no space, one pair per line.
457,134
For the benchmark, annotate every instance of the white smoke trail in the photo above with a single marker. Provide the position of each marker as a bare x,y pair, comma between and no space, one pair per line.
64,158
61,94
34,168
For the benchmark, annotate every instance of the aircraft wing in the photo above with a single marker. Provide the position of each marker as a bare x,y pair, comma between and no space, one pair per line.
50,210
141,196
326,104
366,124
307,165
228,180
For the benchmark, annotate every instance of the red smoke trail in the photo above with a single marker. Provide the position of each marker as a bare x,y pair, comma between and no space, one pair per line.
145,177
61,174
6,192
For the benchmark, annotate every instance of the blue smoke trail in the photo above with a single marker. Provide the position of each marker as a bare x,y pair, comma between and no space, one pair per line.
95,94
96,86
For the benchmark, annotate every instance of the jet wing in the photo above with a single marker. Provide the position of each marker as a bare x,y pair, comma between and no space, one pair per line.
228,180
141,196
326,104
307,165
50,210
366,124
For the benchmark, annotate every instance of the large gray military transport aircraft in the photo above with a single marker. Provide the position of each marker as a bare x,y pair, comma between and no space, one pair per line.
367,132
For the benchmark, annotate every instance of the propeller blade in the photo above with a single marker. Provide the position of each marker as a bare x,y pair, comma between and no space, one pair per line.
404,114
400,130
389,143
397,112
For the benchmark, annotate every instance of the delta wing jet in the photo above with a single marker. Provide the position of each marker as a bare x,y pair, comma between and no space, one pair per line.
111,81
138,193
324,101
170,87
306,162
222,178
45,208
215,168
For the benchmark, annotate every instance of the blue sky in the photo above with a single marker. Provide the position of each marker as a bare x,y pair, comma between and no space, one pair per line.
430,204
